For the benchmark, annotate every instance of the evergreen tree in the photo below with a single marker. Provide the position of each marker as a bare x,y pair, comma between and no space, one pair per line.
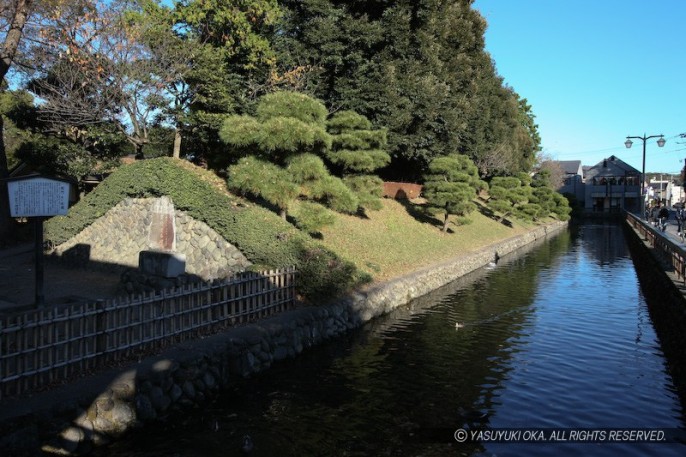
235,38
336,43
562,209
286,123
19,114
432,56
550,201
507,194
450,187
417,68
357,150
282,144
260,178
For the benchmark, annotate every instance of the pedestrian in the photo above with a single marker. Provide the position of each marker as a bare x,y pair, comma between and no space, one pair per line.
679,216
653,215
664,216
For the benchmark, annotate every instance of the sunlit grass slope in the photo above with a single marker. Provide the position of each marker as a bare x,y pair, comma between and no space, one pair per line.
392,242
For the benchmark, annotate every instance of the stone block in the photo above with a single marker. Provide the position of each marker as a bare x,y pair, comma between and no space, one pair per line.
162,263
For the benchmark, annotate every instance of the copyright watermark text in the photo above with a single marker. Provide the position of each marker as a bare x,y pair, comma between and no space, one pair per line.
569,435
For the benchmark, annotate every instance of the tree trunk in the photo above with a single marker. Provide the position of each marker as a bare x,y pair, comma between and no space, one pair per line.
22,10
4,169
177,143
283,213
445,222
138,149
5,218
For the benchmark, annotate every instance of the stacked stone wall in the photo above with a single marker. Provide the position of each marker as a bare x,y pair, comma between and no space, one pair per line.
114,241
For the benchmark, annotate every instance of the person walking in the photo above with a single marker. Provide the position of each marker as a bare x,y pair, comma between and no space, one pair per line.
652,215
663,216
679,216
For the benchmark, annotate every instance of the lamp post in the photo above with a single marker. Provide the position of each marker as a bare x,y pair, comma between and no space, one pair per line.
661,142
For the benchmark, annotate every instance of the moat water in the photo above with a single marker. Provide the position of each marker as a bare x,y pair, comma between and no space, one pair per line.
559,337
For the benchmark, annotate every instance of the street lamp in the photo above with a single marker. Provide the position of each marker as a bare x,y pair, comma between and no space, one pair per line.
661,142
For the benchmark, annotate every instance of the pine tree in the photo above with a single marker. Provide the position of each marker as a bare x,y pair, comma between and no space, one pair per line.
357,150
507,194
281,146
551,202
450,187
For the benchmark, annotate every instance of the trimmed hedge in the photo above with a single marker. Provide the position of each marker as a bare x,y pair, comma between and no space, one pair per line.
264,238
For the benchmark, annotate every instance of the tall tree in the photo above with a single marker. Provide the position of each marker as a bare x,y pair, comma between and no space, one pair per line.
13,17
416,67
233,72
93,67
335,43
430,62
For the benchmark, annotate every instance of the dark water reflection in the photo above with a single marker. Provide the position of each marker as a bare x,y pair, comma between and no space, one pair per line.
557,337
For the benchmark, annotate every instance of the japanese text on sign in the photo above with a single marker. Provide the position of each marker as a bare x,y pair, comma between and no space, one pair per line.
37,197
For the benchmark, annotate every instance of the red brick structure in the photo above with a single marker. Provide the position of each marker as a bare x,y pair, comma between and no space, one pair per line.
401,190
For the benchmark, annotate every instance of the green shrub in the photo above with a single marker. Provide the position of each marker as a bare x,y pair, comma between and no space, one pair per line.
312,217
327,275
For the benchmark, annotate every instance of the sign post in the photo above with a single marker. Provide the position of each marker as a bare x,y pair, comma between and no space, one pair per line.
38,197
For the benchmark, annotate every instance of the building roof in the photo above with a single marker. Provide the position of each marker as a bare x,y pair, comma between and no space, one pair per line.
611,166
570,167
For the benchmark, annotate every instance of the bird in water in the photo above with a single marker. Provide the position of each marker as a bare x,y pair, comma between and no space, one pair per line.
494,262
247,445
472,419
458,325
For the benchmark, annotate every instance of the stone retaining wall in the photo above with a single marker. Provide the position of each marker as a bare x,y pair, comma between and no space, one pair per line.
114,241
190,373
665,295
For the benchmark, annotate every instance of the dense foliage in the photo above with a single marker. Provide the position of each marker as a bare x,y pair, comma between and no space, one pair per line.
324,97
415,69
418,69
515,196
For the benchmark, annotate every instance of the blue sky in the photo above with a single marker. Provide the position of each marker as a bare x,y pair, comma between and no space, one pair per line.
596,71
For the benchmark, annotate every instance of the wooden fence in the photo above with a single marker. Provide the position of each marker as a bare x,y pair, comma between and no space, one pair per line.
42,346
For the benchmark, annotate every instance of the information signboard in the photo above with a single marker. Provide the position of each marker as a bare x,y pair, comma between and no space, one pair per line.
38,197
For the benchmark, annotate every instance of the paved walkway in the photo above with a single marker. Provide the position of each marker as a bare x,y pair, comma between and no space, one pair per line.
671,232
61,283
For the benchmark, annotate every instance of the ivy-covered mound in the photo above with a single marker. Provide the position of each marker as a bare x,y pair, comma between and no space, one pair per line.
264,238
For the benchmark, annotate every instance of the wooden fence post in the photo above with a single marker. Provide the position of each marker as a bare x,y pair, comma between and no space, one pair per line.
100,327
35,344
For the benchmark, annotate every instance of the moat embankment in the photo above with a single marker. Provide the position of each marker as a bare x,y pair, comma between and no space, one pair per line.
96,410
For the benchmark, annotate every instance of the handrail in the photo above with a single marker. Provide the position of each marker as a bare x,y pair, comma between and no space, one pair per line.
669,250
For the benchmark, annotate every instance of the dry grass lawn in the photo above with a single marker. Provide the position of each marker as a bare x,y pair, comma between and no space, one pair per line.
391,242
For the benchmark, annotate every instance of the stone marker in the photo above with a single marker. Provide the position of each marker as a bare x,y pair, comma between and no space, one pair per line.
161,263
163,225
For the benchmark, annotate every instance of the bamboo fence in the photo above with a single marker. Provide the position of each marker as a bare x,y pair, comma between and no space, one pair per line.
44,346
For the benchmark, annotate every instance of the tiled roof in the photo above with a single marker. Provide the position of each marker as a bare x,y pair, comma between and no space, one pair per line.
612,166
570,167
